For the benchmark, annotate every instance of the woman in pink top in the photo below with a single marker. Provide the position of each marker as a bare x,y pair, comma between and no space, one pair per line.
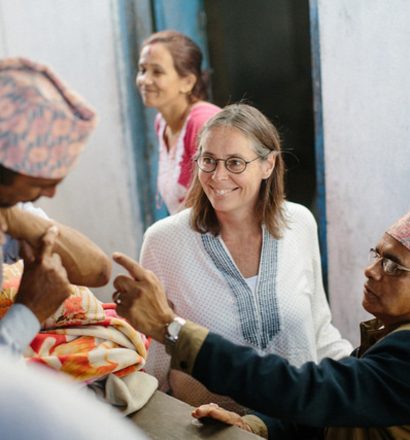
170,80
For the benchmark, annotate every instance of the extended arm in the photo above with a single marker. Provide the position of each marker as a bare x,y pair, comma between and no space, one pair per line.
85,263
370,391
333,393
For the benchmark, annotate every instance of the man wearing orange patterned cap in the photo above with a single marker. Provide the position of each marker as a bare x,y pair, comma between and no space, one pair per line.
43,128
364,396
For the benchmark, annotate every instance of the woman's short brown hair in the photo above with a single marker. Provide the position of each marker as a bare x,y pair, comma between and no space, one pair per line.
187,58
265,140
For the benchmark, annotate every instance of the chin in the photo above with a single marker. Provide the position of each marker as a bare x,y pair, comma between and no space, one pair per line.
370,308
147,103
220,207
151,101
367,306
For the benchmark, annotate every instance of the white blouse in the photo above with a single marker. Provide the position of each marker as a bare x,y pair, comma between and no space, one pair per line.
284,311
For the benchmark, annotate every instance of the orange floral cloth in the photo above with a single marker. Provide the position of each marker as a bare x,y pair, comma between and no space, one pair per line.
84,338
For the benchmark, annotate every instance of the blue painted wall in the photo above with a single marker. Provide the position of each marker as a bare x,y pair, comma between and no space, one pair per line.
319,145
186,17
138,19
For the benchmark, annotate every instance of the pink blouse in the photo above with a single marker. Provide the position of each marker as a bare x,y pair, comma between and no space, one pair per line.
176,166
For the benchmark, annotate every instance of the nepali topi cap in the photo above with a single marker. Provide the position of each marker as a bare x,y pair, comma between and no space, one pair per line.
43,124
401,230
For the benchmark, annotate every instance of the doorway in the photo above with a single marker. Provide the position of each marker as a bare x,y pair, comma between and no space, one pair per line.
260,52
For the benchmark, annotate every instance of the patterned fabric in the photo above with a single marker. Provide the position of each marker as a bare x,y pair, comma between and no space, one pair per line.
84,338
43,124
258,314
401,230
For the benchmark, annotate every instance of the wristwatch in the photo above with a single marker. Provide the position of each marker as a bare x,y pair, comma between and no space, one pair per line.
172,331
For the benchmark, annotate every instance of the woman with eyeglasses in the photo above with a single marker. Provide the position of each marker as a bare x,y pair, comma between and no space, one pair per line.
171,81
242,260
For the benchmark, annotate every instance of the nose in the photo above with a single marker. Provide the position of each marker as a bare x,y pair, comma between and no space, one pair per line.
374,270
220,172
143,78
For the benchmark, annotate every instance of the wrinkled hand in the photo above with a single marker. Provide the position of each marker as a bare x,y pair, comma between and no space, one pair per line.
141,299
44,285
213,411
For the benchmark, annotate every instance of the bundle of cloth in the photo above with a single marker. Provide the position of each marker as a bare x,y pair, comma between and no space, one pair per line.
88,341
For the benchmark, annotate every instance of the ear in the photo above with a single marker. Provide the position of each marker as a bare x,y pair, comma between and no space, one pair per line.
188,83
269,165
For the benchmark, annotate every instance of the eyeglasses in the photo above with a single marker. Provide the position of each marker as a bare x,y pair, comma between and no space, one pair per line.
390,267
235,165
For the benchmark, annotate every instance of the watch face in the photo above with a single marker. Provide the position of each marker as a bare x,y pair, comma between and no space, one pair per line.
173,329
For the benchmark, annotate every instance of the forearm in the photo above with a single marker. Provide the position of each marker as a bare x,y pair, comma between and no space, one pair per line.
186,349
329,394
184,357
85,263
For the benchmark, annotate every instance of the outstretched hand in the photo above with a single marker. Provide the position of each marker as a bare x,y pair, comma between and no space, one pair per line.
213,411
141,299
44,285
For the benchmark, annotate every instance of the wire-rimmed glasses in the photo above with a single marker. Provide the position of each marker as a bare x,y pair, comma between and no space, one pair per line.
389,266
235,165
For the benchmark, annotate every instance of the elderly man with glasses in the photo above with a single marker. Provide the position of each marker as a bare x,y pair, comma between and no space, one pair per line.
364,396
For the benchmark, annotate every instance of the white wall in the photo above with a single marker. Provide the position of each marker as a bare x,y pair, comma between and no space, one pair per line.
365,56
79,39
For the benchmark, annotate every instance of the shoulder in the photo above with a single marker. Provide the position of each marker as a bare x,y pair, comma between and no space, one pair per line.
298,216
201,112
169,228
393,346
398,337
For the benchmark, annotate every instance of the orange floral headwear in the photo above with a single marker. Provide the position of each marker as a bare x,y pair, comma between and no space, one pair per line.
43,124
401,230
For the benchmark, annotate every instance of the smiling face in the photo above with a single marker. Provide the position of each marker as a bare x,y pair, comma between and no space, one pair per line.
388,297
26,189
159,83
227,192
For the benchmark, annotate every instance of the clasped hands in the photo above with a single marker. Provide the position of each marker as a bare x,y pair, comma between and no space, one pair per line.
44,285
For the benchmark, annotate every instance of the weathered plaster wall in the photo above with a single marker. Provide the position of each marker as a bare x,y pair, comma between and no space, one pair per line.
80,40
365,60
